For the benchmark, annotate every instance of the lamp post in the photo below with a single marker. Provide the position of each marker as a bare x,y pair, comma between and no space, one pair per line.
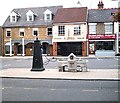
37,57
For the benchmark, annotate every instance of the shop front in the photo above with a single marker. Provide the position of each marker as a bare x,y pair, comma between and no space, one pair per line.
25,47
65,48
101,44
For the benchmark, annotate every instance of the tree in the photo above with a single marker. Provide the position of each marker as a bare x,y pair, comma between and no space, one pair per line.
116,16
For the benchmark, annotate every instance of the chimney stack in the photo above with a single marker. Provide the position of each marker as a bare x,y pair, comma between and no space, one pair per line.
100,5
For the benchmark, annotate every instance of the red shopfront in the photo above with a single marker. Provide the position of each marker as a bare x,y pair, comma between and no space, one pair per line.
101,43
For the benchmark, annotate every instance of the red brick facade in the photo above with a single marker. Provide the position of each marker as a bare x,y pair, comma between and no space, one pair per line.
55,49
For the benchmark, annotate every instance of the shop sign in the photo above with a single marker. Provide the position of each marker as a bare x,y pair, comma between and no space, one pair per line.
73,38
101,36
57,38
69,38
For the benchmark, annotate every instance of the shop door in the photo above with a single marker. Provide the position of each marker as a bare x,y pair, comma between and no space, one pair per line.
19,49
66,48
46,48
91,48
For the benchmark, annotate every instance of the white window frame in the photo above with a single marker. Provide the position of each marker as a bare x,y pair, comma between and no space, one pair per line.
8,30
35,29
13,17
21,30
49,31
47,15
77,30
92,28
108,28
30,15
61,30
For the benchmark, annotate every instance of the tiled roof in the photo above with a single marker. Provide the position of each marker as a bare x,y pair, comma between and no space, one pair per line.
70,15
39,19
101,15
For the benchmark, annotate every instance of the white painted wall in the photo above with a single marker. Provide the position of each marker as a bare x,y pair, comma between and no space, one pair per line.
116,31
69,33
116,27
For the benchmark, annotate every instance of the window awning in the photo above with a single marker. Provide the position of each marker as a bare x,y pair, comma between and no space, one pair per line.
7,44
29,41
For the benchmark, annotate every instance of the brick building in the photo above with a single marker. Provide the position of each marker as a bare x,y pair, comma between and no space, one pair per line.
22,27
101,31
62,31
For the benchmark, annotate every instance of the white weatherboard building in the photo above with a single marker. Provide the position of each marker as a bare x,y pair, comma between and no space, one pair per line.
70,31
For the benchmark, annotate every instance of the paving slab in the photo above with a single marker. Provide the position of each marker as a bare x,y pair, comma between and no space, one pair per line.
95,74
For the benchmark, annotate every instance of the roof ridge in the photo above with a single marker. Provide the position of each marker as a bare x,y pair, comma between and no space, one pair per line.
74,7
103,8
38,7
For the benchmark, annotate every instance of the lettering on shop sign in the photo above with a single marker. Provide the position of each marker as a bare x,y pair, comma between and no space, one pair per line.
80,38
101,36
69,38
57,38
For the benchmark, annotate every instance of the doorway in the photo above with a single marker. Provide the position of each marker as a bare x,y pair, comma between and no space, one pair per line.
65,48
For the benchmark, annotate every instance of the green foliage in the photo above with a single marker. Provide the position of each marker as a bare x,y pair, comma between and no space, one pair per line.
116,16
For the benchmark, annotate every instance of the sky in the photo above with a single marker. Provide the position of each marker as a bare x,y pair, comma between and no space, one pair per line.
8,5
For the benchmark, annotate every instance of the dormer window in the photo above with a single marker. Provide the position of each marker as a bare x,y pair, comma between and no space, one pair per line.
47,15
30,16
13,17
